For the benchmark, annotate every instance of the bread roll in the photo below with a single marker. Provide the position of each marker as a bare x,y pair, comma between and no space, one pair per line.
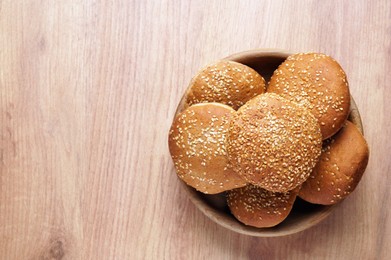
226,82
274,143
197,145
258,207
317,82
340,168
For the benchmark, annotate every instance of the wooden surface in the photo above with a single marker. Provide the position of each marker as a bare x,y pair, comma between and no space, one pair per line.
87,94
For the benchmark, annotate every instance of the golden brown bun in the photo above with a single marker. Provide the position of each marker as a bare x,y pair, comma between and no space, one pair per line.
258,207
274,143
226,82
317,82
340,168
197,145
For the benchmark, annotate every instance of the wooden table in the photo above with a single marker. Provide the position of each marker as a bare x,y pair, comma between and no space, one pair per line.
88,90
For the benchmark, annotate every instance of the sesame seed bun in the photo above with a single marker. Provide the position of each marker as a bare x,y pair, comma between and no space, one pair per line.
226,82
258,207
317,82
197,141
274,143
340,168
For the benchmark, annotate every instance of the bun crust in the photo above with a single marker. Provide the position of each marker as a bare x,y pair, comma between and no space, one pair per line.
197,143
258,207
226,82
340,168
317,82
274,143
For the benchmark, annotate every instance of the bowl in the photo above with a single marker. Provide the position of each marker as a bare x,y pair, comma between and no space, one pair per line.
303,215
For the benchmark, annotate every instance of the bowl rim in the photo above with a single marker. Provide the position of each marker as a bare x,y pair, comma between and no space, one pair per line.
230,222
260,51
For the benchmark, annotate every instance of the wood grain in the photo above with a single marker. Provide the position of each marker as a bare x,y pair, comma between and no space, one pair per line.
88,90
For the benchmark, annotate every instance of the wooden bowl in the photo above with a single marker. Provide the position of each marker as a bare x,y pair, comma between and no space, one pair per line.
303,215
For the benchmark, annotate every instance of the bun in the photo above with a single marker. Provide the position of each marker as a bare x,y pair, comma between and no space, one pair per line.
258,207
340,168
226,82
197,145
317,82
273,143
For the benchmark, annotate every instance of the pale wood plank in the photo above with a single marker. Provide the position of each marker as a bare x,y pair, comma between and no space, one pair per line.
87,94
